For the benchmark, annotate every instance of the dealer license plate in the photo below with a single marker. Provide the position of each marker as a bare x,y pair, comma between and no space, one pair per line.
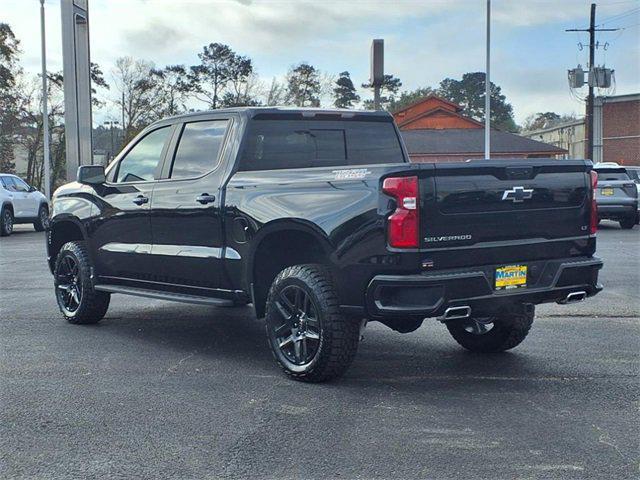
511,276
607,191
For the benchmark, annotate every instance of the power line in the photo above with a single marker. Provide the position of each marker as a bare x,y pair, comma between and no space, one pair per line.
620,16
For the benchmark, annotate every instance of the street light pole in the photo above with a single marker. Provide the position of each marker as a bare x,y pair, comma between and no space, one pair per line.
487,93
111,123
45,109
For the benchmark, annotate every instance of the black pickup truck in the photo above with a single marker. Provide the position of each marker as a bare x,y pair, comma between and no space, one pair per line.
317,218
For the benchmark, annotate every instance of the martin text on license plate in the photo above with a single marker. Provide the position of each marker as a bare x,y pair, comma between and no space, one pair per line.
511,276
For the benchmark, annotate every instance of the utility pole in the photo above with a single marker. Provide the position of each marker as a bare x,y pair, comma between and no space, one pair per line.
45,109
487,89
111,123
592,53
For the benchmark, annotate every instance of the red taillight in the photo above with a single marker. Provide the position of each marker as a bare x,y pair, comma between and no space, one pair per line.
593,223
404,223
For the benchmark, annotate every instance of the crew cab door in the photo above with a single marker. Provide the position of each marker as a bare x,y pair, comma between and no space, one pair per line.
186,219
121,237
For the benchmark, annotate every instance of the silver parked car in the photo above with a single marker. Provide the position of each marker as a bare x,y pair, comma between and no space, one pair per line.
616,195
21,203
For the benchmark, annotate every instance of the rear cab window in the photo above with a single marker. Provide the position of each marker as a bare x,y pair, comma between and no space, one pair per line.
273,144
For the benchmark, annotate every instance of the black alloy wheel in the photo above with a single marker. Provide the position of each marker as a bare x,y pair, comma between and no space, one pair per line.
310,337
77,299
297,333
479,326
492,334
68,285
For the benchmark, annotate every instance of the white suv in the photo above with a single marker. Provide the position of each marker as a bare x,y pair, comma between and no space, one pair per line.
21,204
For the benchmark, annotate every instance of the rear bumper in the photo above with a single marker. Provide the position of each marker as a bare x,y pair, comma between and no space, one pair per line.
610,211
430,294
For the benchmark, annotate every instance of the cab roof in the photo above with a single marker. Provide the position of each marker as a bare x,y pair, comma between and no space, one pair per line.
291,112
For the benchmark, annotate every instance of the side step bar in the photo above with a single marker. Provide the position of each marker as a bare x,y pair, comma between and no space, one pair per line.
170,296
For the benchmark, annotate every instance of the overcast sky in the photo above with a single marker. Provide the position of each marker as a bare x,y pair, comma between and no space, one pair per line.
425,41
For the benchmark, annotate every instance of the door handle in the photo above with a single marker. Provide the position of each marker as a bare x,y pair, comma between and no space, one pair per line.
205,198
141,200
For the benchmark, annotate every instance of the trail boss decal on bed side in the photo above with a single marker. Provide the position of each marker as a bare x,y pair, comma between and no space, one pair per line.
351,174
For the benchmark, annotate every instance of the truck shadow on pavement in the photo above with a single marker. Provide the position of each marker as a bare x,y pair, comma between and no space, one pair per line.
232,341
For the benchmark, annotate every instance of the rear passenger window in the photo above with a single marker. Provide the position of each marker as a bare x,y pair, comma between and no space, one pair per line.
198,148
281,144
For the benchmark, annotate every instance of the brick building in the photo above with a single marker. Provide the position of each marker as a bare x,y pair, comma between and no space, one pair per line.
616,129
435,130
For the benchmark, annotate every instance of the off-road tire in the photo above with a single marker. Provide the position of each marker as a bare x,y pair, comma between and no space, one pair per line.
93,304
6,222
339,335
507,332
39,224
628,223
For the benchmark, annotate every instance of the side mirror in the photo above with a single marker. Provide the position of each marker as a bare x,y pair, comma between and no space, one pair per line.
91,174
32,189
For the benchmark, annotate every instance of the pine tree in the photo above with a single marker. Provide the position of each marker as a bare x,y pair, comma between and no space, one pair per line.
345,93
303,86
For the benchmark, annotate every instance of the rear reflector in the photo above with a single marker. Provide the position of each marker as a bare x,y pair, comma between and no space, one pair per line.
403,224
593,223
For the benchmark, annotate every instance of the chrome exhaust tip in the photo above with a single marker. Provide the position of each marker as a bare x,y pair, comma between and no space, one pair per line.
574,297
456,313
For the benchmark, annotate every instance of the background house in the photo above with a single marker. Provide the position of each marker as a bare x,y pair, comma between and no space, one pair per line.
435,130
616,132
570,136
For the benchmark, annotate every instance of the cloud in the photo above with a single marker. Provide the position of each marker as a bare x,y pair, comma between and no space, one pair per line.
425,41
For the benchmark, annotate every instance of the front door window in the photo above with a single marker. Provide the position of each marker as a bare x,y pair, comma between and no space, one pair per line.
141,162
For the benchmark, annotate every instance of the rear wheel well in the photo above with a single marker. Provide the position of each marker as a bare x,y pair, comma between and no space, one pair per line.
8,206
60,234
280,250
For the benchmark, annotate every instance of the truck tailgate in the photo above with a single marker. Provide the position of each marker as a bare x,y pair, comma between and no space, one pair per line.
484,202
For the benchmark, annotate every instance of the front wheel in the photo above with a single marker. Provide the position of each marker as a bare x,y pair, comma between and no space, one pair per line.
43,219
77,300
309,337
492,334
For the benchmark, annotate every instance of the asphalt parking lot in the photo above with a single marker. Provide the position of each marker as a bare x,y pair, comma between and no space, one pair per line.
162,390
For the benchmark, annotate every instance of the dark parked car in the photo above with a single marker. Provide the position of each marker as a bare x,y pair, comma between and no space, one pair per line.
616,195
318,219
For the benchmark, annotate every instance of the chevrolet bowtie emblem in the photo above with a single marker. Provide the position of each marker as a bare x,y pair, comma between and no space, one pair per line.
518,194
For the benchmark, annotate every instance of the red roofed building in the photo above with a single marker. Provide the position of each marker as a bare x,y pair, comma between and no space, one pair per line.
435,130
433,112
